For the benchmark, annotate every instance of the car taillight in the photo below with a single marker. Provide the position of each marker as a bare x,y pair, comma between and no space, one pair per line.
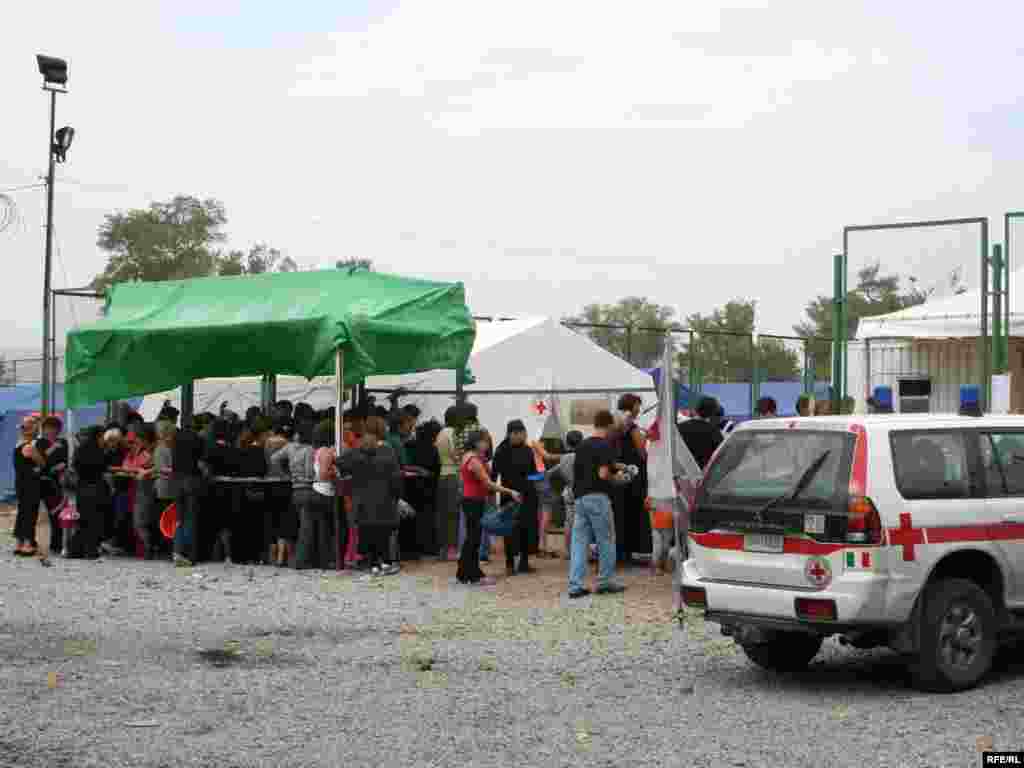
863,524
816,610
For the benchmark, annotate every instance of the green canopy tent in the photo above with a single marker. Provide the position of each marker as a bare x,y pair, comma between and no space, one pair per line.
157,336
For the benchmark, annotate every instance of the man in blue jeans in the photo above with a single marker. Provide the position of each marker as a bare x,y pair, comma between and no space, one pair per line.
594,473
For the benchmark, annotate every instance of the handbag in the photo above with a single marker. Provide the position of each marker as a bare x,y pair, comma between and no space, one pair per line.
501,521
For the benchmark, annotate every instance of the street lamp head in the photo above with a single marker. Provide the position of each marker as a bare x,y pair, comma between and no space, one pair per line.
62,142
54,71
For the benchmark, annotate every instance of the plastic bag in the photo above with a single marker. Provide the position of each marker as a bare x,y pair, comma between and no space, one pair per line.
501,521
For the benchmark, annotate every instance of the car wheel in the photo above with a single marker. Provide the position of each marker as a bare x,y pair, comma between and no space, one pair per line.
785,652
958,637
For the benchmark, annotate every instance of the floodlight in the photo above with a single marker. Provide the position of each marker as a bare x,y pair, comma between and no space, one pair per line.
53,70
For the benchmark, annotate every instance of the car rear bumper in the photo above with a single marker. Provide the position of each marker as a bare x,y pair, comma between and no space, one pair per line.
859,600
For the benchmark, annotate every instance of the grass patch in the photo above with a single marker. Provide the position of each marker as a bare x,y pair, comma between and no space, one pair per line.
79,647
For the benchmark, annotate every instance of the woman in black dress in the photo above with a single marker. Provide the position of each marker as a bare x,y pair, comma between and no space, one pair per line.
513,465
90,463
417,535
635,534
28,463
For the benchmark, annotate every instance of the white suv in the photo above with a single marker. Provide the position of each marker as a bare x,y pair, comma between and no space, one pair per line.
896,531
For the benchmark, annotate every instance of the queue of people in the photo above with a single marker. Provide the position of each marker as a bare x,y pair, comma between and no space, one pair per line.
273,488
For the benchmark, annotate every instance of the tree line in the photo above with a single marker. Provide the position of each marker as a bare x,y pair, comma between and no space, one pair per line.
723,340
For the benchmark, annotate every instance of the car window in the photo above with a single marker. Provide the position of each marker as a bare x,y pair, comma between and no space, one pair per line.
762,465
1003,457
930,465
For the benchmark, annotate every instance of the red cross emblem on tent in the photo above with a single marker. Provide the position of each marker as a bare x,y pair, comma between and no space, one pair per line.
906,536
540,407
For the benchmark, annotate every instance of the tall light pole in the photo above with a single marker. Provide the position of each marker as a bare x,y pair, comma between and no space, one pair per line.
55,78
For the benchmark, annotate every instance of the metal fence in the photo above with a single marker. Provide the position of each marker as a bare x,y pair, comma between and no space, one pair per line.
26,370
720,357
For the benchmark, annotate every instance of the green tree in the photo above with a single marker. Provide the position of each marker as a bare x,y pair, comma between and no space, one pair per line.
259,259
354,263
173,240
607,324
724,352
874,294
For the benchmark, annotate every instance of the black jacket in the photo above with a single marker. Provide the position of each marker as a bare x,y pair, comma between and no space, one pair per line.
702,438
376,484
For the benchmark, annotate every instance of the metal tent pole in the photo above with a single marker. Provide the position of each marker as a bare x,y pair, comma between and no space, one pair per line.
339,400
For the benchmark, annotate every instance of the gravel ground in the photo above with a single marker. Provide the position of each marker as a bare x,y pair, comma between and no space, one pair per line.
126,663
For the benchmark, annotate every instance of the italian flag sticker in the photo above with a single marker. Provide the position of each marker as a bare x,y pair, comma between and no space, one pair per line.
858,561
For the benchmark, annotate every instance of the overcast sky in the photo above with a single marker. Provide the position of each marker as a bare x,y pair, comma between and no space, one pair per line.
549,154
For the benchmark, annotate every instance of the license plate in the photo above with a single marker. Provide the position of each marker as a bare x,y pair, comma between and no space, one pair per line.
763,542
814,524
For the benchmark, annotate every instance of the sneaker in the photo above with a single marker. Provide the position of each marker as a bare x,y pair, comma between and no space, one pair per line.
180,561
389,569
375,571
611,589
576,594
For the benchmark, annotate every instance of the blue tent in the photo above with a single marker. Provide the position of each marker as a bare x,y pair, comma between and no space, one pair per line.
21,400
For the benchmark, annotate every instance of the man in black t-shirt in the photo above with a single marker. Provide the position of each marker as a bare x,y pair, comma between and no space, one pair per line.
594,470
701,436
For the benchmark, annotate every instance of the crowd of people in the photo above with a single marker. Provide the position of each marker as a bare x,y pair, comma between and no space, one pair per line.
274,488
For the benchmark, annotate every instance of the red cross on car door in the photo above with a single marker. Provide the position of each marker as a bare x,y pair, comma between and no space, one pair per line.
942,502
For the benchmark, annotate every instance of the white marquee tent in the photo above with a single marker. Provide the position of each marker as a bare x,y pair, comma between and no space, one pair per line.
949,318
534,369
935,341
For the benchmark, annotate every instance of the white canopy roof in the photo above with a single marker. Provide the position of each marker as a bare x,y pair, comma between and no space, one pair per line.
534,369
242,393
952,317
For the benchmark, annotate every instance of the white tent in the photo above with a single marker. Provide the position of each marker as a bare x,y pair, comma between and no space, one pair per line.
242,393
935,342
534,369
949,318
